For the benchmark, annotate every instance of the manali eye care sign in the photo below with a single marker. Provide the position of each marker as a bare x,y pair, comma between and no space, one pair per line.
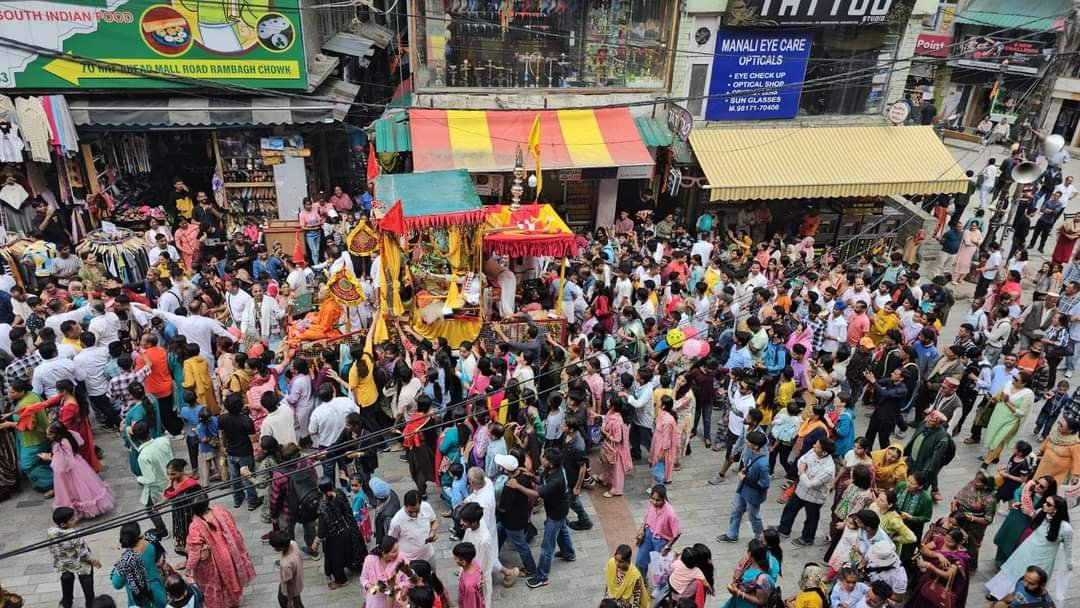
757,74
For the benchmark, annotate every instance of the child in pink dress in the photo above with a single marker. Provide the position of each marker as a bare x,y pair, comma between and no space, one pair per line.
74,481
471,579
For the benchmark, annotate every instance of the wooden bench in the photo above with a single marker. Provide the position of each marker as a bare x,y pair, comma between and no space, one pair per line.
971,138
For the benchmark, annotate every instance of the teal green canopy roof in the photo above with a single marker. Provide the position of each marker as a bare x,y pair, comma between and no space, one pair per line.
392,134
437,198
654,131
1031,15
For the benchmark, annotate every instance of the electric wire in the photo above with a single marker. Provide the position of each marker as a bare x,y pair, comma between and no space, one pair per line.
103,525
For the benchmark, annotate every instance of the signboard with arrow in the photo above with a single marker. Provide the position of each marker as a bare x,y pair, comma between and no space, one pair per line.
130,44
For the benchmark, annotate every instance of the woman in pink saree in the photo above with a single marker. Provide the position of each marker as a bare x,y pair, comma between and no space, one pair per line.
665,441
187,241
615,450
217,559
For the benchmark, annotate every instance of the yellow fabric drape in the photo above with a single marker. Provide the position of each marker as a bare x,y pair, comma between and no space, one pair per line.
377,334
562,286
390,254
456,254
455,331
454,300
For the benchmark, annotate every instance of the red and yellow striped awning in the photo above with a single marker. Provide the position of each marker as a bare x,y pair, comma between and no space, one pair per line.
485,140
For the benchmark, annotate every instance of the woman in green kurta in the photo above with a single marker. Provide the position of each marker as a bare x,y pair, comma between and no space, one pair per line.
31,438
1027,501
145,408
916,507
1012,404
974,506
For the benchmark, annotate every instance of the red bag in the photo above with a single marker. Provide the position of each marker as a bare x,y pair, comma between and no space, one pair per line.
938,594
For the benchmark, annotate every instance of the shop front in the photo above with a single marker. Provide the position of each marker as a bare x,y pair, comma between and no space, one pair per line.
1001,52
257,158
553,45
843,185
591,160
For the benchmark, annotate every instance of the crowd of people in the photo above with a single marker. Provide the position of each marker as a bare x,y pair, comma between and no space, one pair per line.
765,349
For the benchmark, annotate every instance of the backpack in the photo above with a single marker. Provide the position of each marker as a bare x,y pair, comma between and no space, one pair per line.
379,374
304,494
950,451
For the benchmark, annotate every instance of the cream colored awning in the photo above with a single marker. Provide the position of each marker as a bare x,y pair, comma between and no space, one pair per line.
827,162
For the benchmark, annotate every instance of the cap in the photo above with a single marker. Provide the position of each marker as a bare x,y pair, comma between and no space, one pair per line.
951,381
507,462
866,342
379,488
839,305
882,554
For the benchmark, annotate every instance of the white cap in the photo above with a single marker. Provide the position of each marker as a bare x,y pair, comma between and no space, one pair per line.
507,462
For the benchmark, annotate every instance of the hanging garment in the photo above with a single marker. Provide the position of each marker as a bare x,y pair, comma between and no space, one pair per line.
67,138
8,107
35,127
14,194
11,145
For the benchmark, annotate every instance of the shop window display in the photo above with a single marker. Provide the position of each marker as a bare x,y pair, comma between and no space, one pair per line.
543,43
848,71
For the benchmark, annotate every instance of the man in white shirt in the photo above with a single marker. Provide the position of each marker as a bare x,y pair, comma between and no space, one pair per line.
105,325
58,316
262,318
482,492
279,422
472,516
741,397
195,327
989,177
1067,190
54,369
327,423
624,289
237,301
835,329
163,246
755,278
297,277
92,361
702,247
414,525
170,298
989,270
856,293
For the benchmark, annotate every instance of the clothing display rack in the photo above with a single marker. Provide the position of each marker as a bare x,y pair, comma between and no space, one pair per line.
121,253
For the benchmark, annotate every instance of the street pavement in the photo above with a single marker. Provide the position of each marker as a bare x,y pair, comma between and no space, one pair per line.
703,510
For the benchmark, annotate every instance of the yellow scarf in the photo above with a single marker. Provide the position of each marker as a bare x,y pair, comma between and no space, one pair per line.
630,581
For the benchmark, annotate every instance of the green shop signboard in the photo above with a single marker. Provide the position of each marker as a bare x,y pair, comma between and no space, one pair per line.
253,43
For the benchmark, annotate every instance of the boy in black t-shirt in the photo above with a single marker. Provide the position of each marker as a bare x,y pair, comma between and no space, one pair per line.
236,429
556,507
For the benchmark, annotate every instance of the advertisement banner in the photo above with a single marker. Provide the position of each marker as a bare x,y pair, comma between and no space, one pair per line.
757,74
933,45
990,53
812,12
253,43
